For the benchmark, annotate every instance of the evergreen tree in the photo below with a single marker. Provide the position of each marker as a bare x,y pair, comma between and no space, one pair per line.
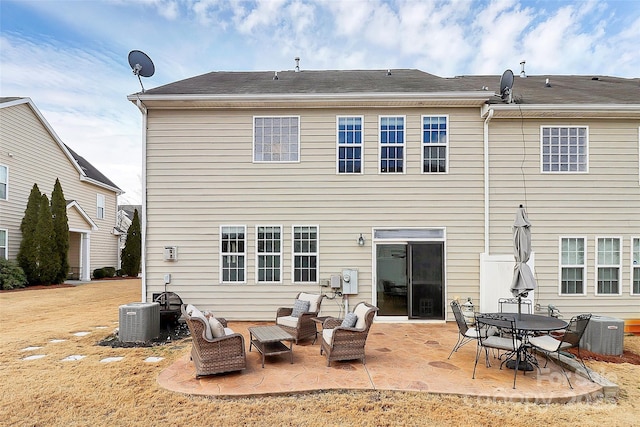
48,260
28,253
132,251
60,230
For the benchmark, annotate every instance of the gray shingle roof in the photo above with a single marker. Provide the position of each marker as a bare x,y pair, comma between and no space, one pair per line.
90,170
531,90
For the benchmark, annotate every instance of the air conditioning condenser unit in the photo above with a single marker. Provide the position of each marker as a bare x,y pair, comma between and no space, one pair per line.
139,321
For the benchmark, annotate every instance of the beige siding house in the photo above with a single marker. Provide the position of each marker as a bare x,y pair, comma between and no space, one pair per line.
31,153
398,186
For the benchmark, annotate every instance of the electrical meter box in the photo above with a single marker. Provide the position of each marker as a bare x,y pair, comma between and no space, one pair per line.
349,281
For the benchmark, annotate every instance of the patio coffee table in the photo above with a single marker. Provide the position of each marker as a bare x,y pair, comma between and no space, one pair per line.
268,341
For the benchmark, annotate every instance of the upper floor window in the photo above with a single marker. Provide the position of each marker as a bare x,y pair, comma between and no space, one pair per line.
635,266
305,254
3,244
4,182
276,139
608,266
435,142
100,206
392,144
564,149
269,253
349,144
572,266
233,253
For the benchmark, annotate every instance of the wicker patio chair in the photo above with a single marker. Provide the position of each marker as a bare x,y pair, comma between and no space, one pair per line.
214,355
302,326
347,343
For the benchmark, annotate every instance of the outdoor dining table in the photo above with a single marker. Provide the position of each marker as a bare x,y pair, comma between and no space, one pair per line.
526,324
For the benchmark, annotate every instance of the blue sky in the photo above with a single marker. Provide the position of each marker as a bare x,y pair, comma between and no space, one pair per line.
70,57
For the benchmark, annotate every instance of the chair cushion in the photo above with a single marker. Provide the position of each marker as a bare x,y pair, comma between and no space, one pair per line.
361,311
217,330
349,320
300,307
327,334
548,343
197,314
501,343
314,300
289,321
228,331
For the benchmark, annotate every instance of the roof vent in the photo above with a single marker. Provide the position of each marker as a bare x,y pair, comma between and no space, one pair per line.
275,75
595,78
547,83
388,72
297,59
522,73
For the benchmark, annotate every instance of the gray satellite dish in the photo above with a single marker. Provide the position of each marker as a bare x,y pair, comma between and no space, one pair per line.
141,65
506,85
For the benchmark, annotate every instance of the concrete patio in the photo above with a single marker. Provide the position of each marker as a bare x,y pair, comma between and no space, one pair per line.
400,356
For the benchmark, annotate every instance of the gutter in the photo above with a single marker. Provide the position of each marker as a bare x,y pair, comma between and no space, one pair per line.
489,116
143,265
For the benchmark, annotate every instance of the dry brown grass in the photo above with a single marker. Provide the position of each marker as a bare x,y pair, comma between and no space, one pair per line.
49,392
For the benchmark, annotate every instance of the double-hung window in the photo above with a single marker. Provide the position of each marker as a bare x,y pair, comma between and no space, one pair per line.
608,266
572,266
305,254
233,253
3,244
4,182
635,266
349,144
564,148
100,206
269,253
435,143
276,139
392,144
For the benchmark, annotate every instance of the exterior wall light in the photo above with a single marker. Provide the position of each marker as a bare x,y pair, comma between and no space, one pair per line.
360,240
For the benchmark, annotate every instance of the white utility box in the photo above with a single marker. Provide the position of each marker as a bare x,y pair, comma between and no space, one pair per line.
604,335
139,321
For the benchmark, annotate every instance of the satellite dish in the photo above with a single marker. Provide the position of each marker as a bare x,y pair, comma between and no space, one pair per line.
141,65
506,85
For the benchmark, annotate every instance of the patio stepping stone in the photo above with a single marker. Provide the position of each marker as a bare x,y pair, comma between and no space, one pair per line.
111,359
73,357
34,357
31,348
81,334
56,341
153,359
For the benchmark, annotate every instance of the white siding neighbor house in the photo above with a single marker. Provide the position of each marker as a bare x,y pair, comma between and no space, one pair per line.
31,153
399,186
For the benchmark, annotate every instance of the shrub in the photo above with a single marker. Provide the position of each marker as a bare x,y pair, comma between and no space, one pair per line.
99,273
131,254
11,275
109,271
120,273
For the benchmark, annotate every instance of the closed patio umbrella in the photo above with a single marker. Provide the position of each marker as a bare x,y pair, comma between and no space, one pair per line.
523,280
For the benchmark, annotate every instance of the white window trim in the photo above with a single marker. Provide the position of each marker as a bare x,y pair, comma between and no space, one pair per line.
586,171
221,272
101,198
422,144
619,266
584,267
253,140
7,183
293,254
257,281
404,144
352,145
633,267
5,244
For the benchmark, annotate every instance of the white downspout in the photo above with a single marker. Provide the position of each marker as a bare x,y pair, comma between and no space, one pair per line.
143,265
486,180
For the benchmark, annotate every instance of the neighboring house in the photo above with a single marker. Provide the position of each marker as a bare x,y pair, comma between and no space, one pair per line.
32,153
259,185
